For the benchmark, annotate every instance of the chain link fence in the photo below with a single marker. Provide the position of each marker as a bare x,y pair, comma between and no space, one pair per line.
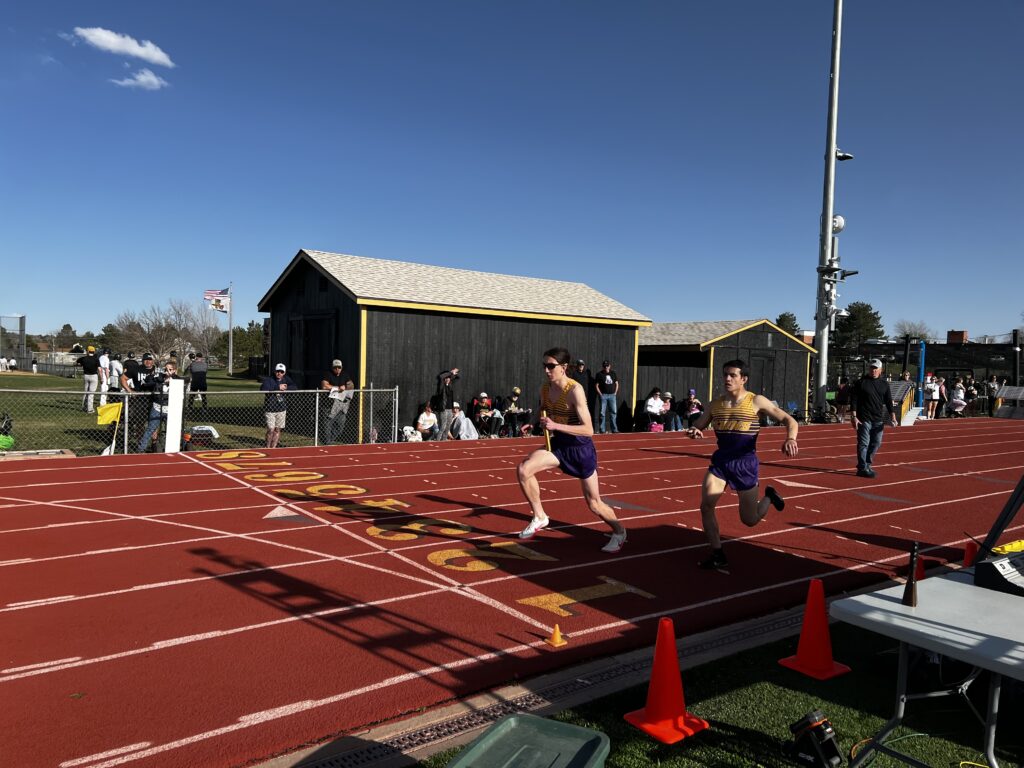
50,420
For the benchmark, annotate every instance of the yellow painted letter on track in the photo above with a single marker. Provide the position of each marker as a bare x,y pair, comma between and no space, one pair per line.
230,455
296,476
558,602
475,557
416,529
231,467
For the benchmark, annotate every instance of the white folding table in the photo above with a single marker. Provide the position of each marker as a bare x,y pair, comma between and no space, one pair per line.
954,618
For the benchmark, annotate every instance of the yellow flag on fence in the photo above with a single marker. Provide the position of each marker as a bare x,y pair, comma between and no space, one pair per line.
108,414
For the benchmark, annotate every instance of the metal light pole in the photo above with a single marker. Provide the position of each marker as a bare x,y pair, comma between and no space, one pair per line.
828,267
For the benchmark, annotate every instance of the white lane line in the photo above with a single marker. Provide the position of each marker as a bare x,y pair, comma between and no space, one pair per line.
163,584
42,601
464,590
40,665
276,713
108,753
59,665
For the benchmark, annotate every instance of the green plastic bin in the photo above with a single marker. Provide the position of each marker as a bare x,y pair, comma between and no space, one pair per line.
527,741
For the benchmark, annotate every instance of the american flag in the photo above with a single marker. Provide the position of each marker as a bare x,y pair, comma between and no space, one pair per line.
214,293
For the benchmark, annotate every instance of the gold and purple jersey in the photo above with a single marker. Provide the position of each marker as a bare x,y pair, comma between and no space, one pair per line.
736,426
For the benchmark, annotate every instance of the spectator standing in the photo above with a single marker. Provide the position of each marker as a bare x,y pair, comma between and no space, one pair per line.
116,370
159,385
90,365
673,421
931,395
35,365
426,424
275,404
104,375
871,408
444,400
991,390
197,384
333,382
843,399
607,388
582,376
940,409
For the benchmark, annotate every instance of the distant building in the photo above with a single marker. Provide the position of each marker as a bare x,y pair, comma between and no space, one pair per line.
681,356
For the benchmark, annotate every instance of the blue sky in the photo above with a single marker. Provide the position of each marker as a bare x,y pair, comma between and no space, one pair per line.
668,154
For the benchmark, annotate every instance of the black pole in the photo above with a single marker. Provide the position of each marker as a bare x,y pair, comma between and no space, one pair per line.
906,352
1016,357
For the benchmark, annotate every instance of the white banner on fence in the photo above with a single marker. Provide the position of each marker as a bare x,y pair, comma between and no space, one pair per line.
175,406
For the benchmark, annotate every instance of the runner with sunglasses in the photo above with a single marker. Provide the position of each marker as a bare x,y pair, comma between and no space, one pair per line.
568,420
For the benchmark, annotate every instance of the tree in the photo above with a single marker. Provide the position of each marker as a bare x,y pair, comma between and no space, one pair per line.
861,324
787,322
248,342
915,330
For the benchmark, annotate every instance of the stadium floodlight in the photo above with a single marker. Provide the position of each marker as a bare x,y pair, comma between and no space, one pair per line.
842,156
845,273
842,313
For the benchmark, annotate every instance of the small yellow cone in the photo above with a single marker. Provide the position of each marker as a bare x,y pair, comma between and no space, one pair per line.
556,640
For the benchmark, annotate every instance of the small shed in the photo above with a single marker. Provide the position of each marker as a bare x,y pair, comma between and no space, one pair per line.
397,323
683,356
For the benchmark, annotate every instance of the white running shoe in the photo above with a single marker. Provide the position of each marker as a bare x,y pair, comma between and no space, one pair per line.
615,544
535,525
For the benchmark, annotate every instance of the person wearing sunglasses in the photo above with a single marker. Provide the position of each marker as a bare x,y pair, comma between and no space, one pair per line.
564,405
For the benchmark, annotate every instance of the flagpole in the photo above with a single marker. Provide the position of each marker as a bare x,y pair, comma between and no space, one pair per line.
231,332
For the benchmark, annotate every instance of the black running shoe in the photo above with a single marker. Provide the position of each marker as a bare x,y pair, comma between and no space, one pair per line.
772,495
717,562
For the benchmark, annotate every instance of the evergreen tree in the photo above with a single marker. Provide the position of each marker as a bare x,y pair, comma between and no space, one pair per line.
787,322
863,323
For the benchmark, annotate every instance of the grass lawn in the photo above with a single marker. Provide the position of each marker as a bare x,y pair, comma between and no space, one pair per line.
750,701
47,412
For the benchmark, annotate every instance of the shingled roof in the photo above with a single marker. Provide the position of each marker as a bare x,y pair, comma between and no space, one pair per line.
703,333
683,334
382,280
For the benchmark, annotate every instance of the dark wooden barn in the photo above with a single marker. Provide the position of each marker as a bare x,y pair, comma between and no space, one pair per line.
397,323
683,356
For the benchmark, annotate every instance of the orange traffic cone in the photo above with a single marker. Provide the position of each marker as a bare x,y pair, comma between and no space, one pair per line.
814,652
556,640
665,716
970,553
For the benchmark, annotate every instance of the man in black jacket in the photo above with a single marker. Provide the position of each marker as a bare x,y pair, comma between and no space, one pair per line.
870,402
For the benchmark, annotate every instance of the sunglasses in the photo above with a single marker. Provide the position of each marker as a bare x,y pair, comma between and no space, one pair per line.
551,366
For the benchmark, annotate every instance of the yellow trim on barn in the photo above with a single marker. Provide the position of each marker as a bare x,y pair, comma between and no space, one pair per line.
808,347
711,377
636,361
362,367
498,312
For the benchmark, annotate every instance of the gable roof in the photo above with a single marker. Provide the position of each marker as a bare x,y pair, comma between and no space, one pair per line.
703,333
383,282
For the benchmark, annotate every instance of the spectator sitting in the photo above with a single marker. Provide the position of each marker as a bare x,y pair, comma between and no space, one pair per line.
692,408
957,398
462,427
654,407
673,422
486,417
426,424
516,417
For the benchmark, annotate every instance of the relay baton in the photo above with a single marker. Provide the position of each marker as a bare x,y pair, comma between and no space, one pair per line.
547,435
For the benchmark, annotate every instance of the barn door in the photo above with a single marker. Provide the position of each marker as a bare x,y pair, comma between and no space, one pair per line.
762,368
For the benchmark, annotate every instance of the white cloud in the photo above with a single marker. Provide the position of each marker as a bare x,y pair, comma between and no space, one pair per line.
124,45
144,79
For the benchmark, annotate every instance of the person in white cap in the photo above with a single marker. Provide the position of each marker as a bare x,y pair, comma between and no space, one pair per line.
870,404
487,418
276,405
91,377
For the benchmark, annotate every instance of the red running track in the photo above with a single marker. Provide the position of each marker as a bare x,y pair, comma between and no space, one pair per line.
218,608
